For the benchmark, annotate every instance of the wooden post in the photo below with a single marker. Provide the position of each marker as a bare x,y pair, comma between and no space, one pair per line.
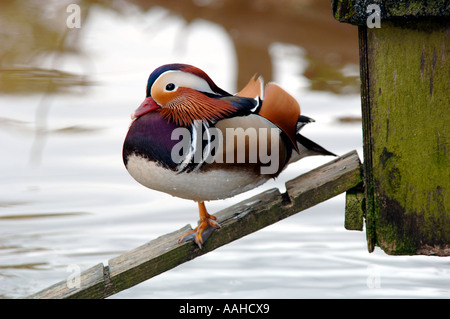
248,216
405,97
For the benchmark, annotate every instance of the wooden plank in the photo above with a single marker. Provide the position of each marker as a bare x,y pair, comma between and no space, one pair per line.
239,220
354,208
325,181
407,165
91,286
367,138
404,93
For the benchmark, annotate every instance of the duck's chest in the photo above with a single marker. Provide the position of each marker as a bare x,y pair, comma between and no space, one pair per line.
199,185
150,137
151,154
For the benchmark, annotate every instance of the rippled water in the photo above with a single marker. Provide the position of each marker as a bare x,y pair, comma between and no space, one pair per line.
66,199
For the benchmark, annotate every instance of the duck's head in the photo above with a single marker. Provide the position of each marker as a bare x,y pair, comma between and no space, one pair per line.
181,92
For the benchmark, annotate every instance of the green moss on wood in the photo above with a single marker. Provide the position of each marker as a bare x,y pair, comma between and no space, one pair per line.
409,85
354,209
355,11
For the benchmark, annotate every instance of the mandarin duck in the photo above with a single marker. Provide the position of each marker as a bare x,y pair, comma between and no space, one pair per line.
193,140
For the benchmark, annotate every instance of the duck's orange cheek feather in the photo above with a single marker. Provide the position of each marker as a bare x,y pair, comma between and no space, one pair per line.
189,105
162,97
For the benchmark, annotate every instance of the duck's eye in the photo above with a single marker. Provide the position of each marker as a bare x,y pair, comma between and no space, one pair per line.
170,87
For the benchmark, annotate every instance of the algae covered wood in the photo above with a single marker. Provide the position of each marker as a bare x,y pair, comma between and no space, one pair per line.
354,208
405,89
408,96
357,11
248,216
91,284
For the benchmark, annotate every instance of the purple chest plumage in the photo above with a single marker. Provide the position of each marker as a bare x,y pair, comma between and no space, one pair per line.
149,136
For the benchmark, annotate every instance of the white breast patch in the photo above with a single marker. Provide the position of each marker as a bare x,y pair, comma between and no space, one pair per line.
197,186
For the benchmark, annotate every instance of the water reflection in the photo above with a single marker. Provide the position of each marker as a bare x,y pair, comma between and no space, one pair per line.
41,215
29,80
254,25
33,35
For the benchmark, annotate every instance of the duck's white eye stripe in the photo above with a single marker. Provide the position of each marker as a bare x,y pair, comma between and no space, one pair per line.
182,79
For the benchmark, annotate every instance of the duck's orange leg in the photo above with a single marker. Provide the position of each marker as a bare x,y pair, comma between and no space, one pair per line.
206,226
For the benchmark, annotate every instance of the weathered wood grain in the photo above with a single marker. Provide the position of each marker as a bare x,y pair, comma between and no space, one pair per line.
354,208
356,11
237,221
91,286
